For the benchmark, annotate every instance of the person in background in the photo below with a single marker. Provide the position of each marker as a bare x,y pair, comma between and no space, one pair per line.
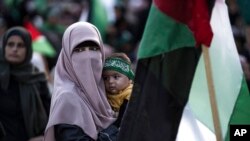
79,108
2,132
3,28
24,95
118,79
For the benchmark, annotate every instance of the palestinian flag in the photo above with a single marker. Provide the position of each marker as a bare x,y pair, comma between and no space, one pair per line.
39,42
232,95
168,56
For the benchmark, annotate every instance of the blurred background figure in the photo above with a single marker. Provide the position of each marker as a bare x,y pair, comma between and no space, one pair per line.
24,95
240,22
3,27
40,62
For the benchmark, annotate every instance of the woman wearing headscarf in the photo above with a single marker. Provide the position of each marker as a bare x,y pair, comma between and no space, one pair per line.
79,107
24,95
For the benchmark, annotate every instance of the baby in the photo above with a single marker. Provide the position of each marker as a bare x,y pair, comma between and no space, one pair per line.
118,79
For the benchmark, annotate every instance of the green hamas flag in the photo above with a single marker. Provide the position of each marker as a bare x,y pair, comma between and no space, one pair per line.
165,69
98,16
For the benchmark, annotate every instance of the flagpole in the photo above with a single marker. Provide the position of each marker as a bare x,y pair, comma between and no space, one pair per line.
211,91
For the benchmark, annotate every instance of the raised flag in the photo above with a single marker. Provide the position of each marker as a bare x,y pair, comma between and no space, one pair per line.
167,60
231,91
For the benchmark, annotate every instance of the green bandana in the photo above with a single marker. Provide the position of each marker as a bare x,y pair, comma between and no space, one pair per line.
119,65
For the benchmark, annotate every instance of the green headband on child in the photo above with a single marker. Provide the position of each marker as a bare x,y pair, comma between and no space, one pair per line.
119,65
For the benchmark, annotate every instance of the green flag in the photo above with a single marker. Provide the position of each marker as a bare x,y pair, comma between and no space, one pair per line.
98,16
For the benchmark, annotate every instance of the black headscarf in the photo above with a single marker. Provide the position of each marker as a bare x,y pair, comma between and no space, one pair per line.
34,114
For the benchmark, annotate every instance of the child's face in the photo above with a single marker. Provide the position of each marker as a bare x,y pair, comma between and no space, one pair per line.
115,81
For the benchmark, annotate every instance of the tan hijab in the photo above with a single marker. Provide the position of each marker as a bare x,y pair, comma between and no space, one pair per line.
79,95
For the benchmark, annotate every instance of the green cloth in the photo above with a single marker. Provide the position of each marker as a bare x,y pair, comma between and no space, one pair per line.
98,16
119,65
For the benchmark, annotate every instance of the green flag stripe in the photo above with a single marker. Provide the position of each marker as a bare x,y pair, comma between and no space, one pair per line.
163,34
43,46
241,114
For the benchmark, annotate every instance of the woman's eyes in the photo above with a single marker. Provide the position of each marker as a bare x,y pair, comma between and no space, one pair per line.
80,49
94,48
13,44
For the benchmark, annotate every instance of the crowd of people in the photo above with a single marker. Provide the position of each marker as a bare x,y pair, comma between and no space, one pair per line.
43,96
121,26
241,30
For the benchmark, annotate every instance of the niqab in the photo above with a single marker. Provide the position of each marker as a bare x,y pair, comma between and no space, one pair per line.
79,95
